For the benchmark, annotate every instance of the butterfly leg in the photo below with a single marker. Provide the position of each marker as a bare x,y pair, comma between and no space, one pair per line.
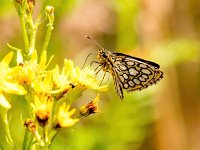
103,78
87,58
98,70
93,63
108,79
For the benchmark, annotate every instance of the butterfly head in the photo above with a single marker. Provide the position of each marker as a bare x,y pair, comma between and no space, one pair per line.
104,59
102,53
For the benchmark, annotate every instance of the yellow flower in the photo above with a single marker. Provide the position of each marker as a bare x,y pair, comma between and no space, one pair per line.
61,80
7,85
90,108
43,85
75,75
64,118
28,71
42,108
24,73
72,77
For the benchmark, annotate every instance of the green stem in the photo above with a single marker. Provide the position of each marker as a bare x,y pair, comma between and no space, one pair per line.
33,30
24,32
32,38
52,136
30,143
14,48
7,131
39,139
25,140
45,133
48,34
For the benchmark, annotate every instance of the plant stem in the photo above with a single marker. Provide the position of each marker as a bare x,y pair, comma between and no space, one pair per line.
24,32
32,37
25,140
48,34
52,135
30,145
7,131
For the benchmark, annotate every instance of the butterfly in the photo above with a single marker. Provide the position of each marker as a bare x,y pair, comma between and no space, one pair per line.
129,73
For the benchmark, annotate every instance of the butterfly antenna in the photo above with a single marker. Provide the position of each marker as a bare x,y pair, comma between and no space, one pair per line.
94,42
88,57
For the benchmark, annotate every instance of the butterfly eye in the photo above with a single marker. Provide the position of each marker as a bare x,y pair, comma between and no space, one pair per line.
105,55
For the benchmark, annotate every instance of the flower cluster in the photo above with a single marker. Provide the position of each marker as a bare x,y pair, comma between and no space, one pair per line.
49,92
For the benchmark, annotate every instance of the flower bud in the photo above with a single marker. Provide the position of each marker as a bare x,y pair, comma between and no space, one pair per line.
42,115
31,4
90,108
30,125
49,9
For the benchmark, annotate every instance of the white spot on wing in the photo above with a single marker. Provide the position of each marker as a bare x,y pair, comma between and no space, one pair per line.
121,78
131,83
133,72
125,76
130,63
141,79
122,67
143,66
136,81
125,85
145,76
146,71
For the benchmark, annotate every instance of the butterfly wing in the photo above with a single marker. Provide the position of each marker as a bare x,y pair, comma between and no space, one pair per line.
135,73
128,72
117,83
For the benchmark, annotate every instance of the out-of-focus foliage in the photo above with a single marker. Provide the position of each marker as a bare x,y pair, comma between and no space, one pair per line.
175,52
119,126
5,7
164,116
127,12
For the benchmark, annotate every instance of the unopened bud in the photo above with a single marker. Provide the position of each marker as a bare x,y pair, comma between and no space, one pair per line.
49,9
30,125
31,4
42,115
90,108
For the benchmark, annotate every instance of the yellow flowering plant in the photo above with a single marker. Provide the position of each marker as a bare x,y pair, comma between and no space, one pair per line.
49,93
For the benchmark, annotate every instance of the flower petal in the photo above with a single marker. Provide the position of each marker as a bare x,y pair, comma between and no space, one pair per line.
19,58
4,102
13,88
43,60
7,59
64,116
34,57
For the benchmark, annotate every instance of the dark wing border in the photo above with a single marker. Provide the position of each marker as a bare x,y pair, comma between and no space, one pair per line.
139,59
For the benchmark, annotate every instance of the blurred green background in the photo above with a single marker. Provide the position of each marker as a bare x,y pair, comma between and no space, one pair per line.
165,116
